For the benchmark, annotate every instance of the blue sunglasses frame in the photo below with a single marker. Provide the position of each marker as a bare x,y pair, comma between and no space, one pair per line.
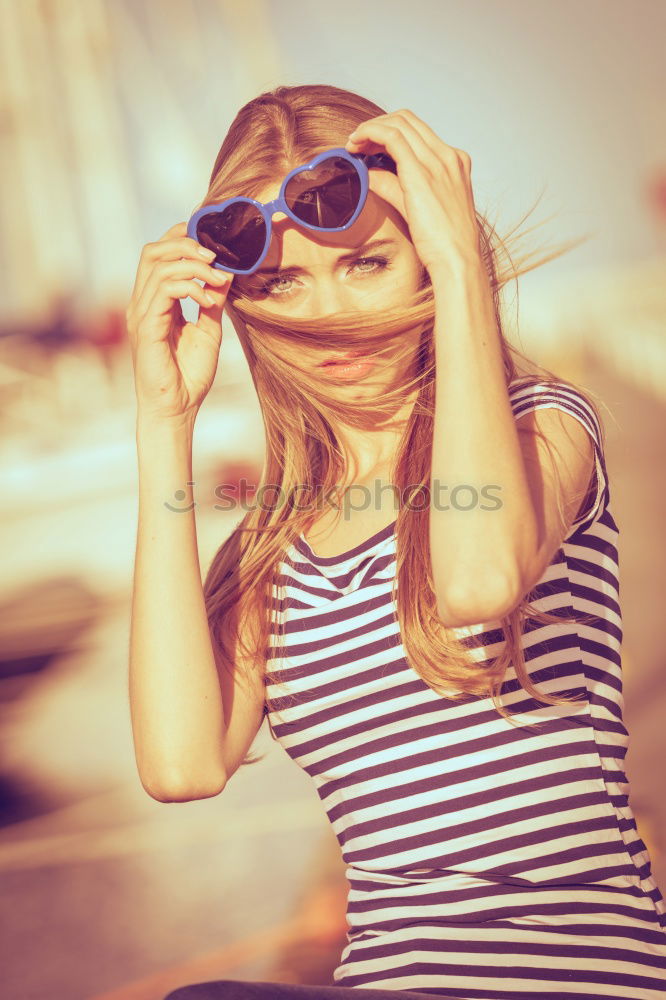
362,162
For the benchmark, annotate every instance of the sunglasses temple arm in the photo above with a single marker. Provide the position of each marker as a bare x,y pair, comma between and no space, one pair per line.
381,160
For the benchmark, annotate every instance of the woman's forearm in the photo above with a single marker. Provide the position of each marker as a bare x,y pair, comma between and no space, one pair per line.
476,553
174,690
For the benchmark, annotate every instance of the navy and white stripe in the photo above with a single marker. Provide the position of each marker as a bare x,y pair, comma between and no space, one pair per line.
483,860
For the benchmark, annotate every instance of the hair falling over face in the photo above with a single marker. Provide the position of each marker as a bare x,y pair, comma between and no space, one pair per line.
270,135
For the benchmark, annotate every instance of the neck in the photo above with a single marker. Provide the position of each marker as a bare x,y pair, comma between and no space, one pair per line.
369,454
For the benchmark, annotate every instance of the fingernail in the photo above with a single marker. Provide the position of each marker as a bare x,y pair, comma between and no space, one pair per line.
208,254
209,299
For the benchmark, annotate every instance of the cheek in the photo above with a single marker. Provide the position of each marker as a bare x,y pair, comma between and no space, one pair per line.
403,279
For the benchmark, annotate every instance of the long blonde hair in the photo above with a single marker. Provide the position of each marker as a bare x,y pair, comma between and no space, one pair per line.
271,135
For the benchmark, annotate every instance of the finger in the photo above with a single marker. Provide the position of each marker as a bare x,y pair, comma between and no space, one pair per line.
166,249
422,144
174,249
210,317
429,136
393,140
430,148
175,230
165,270
165,295
395,135
447,153
423,150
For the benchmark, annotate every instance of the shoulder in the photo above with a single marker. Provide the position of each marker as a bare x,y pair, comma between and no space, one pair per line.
529,393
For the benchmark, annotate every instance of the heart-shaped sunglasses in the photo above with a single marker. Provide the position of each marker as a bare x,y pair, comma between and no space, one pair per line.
326,194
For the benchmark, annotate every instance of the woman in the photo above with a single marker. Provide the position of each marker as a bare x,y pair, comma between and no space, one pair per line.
424,598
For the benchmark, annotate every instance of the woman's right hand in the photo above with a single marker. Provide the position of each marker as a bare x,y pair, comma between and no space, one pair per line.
174,361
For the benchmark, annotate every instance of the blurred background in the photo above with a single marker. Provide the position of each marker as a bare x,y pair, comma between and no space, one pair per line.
111,114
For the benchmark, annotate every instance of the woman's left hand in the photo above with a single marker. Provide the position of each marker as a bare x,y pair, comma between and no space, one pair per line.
433,189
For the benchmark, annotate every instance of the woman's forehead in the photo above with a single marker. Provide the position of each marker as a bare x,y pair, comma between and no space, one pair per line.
375,221
297,247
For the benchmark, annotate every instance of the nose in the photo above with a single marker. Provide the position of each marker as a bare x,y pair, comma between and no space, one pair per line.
329,296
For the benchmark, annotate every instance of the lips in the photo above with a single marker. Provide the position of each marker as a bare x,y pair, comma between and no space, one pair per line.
343,359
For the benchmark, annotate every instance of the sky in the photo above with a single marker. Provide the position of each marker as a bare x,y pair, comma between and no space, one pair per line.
123,105
564,100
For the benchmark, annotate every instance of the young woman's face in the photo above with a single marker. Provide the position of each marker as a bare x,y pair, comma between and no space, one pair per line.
310,275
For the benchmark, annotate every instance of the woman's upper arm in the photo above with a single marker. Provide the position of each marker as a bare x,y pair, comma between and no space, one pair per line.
243,699
563,414
562,448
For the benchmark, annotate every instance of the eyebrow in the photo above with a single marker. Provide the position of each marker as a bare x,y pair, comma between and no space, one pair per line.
344,259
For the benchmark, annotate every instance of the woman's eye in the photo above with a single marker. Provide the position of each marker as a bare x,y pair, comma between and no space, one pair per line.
271,287
268,286
379,263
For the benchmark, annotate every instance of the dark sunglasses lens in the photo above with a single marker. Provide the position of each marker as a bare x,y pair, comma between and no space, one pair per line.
327,196
237,235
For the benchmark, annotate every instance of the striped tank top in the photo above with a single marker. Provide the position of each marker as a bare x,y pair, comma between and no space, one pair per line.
482,860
